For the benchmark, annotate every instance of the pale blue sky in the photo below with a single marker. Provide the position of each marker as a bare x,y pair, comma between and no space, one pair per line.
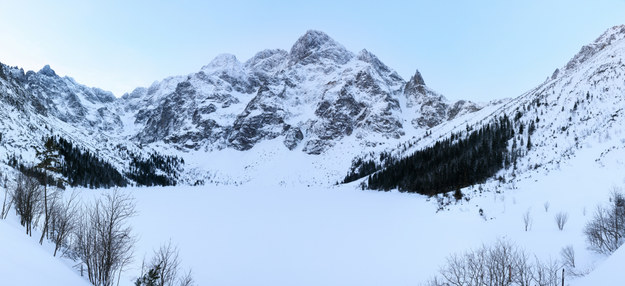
477,50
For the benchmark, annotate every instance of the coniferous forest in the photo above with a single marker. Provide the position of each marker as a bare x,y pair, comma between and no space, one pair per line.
78,167
81,168
157,170
450,164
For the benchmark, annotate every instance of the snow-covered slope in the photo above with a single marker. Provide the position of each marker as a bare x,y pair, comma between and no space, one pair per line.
580,103
318,99
610,272
24,262
282,230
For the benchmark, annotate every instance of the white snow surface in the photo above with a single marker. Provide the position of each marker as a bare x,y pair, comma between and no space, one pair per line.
319,235
24,262
269,216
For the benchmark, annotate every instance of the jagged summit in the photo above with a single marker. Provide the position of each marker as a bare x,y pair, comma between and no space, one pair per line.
318,98
369,57
47,70
417,79
267,61
316,45
223,62
610,37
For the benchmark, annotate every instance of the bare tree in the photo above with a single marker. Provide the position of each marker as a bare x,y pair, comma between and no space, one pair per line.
527,220
103,240
500,264
546,206
63,220
546,273
27,198
605,231
167,257
568,256
561,219
167,266
186,279
8,199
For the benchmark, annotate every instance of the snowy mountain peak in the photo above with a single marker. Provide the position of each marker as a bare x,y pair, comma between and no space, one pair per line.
370,58
610,37
223,62
46,70
417,79
314,46
267,61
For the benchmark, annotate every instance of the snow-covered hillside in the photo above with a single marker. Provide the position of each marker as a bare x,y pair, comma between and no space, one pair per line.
24,262
580,104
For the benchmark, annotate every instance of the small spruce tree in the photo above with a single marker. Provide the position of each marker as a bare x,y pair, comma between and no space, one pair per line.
151,278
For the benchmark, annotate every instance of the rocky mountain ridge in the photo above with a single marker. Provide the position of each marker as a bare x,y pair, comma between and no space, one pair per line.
313,95
310,98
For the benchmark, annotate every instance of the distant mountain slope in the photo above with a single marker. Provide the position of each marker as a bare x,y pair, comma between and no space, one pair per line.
579,103
316,99
314,95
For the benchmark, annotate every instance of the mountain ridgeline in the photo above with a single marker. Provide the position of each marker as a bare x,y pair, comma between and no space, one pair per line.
318,103
310,99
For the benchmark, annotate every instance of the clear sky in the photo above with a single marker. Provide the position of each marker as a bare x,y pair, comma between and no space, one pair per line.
477,50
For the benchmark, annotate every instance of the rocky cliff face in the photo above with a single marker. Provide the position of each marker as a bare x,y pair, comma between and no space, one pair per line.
310,98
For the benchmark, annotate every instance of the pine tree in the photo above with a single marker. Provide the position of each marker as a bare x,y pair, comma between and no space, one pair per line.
151,278
49,162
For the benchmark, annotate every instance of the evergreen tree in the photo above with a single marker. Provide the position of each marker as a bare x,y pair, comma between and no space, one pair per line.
49,162
151,278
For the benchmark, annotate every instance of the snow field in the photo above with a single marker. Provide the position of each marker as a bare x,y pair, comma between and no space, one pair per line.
249,235
259,234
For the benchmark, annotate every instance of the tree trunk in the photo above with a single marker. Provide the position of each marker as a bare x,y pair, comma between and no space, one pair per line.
45,206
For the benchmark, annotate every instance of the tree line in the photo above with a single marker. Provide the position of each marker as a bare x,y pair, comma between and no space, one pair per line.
450,164
80,167
155,170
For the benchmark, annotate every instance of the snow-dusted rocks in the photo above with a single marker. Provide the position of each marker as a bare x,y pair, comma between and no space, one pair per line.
313,96
314,47
308,100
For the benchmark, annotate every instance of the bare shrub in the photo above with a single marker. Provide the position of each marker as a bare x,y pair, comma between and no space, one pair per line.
167,257
527,220
546,206
103,239
605,231
28,200
561,219
63,220
568,256
166,265
186,279
500,264
8,199
546,273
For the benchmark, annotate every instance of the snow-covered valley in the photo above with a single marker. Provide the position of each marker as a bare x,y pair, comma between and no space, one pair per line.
267,142
251,235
